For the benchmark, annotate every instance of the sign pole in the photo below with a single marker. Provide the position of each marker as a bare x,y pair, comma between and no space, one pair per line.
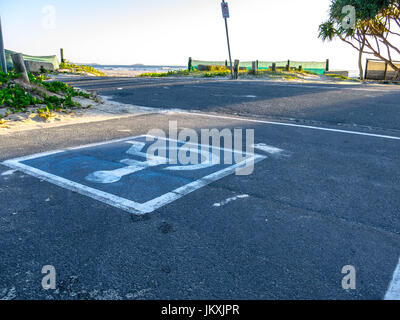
2,53
225,13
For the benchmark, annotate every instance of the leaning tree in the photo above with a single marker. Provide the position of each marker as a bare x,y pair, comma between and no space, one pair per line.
375,28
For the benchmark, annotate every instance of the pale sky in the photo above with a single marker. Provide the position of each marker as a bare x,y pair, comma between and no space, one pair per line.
167,32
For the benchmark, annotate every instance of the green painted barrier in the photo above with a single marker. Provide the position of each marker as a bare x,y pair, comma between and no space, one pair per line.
311,66
49,59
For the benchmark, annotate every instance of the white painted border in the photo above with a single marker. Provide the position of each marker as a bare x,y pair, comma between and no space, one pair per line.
325,86
393,292
116,201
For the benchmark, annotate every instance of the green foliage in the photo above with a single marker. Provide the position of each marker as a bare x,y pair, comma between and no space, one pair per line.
57,86
216,74
17,98
45,113
375,29
81,69
217,71
6,78
339,77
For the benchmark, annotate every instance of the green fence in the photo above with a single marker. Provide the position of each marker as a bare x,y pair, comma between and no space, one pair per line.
311,66
49,59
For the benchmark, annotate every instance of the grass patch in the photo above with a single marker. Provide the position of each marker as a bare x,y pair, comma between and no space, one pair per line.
173,73
216,74
286,75
213,72
340,77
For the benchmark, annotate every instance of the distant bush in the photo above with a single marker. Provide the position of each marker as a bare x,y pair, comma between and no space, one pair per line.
165,74
219,68
216,74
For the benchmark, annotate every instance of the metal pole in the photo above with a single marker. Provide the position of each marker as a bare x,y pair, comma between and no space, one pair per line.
229,46
2,54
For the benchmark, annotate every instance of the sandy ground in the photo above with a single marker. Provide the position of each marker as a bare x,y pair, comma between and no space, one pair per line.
90,112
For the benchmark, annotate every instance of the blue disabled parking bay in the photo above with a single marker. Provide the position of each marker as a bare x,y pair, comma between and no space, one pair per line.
121,174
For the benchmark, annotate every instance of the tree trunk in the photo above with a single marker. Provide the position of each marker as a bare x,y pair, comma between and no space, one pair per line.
19,66
360,55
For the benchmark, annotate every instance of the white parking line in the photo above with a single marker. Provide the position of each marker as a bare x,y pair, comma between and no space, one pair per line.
393,292
8,173
226,201
303,86
289,125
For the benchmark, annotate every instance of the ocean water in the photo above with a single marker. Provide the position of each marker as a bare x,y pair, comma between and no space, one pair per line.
146,68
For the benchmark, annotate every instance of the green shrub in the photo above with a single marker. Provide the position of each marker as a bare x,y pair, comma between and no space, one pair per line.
165,74
17,99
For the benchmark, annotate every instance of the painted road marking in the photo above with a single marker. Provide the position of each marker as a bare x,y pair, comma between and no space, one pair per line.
267,149
8,173
138,190
302,86
226,201
288,125
393,292
112,176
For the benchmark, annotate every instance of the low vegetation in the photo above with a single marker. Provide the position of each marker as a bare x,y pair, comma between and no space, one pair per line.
165,74
67,67
222,71
46,97
212,71
340,77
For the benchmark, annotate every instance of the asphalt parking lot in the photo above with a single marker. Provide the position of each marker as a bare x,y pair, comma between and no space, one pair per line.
328,199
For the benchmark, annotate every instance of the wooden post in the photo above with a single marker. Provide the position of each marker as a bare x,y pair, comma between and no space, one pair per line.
19,66
236,69
366,69
62,55
273,67
386,67
288,66
2,54
190,64
254,68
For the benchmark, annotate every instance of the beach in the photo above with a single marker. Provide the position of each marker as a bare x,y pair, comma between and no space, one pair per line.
134,71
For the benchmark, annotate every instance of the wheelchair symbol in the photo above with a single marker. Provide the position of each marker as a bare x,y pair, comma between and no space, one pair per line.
132,166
